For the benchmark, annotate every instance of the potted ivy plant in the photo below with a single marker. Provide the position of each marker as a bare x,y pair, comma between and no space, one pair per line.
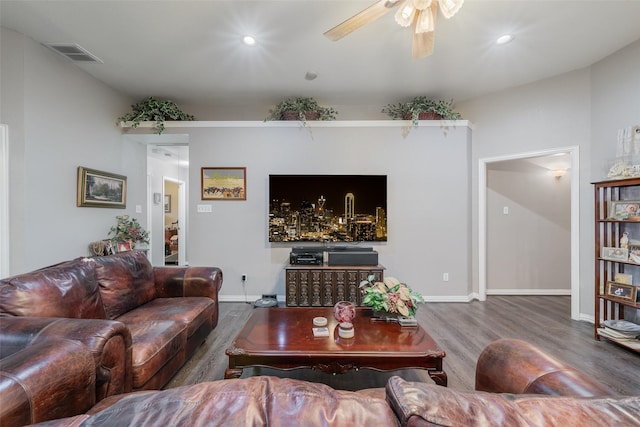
300,108
152,109
422,108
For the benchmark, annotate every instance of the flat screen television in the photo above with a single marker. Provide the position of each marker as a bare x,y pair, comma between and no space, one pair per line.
327,208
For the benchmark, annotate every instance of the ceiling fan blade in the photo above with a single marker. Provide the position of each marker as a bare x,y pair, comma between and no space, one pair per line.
423,41
360,19
422,44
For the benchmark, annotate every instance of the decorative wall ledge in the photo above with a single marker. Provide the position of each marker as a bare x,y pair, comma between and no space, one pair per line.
295,124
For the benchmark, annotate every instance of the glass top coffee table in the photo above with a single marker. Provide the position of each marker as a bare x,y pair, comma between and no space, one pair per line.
282,338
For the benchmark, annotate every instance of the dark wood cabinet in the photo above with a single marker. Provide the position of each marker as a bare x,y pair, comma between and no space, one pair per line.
324,286
617,253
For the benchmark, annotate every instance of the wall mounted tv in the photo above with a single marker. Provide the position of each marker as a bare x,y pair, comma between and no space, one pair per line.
327,208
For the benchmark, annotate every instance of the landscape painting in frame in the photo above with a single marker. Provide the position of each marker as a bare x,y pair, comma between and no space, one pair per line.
224,183
101,189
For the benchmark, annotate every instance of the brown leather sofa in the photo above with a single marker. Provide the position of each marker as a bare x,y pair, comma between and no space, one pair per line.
554,395
139,323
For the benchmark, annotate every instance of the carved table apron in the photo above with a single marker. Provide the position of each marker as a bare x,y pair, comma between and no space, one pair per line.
282,338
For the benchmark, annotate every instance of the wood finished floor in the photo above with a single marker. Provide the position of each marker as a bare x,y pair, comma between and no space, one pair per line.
462,330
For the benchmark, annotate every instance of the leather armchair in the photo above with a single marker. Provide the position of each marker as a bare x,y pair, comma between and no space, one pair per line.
44,379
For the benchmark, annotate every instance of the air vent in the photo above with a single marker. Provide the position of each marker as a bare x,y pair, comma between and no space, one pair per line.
74,52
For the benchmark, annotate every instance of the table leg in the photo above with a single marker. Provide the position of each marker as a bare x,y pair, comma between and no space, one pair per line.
232,373
439,377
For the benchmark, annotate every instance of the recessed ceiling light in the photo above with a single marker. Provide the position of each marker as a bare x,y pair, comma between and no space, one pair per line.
248,40
504,39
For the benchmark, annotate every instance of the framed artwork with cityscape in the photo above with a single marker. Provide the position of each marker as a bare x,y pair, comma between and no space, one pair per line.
327,208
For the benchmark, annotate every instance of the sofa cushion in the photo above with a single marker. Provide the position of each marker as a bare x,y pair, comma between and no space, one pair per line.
254,401
190,311
126,281
68,289
155,342
421,404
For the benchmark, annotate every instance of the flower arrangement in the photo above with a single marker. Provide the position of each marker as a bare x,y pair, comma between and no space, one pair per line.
390,296
128,230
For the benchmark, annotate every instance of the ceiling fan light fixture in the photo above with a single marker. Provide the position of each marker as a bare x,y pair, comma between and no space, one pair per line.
450,7
404,16
421,4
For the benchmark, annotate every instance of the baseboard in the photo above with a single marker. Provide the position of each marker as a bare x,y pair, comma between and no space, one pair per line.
528,291
242,298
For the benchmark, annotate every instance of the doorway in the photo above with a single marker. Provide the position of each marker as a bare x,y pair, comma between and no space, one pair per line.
488,164
168,187
174,218
4,201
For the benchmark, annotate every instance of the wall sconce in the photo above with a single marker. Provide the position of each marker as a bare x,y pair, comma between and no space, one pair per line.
558,173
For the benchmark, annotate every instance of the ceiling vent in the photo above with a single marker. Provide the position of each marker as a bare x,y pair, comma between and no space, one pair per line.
74,52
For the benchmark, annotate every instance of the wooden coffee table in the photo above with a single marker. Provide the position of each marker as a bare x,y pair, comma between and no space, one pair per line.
282,338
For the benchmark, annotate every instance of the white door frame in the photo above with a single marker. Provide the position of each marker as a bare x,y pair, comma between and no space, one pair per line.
182,218
4,201
574,152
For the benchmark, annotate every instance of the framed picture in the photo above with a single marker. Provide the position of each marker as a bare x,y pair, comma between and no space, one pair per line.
615,254
224,183
634,256
619,290
625,279
124,246
167,202
101,189
625,209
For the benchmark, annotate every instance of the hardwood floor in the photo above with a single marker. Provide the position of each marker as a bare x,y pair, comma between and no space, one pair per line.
462,330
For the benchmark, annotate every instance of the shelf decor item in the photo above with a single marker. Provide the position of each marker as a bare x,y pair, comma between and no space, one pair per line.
300,108
619,290
615,254
127,233
156,110
422,108
625,210
390,296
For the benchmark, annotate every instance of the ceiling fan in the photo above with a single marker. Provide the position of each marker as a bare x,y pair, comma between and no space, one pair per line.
420,14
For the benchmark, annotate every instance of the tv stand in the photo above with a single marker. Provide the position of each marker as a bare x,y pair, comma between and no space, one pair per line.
324,285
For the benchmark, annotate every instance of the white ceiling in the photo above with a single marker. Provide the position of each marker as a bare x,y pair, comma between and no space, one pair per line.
190,51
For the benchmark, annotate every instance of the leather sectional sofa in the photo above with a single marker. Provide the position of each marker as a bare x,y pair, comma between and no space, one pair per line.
516,385
135,323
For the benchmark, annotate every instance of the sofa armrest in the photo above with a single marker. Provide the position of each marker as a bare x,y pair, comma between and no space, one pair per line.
49,379
108,341
515,366
187,282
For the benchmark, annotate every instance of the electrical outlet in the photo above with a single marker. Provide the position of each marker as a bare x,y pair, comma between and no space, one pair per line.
244,277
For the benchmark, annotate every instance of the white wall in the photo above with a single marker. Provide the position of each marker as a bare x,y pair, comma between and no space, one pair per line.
428,200
60,118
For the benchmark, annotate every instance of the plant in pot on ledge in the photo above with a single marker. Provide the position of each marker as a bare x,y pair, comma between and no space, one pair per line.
422,108
128,232
390,297
302,109
152,109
